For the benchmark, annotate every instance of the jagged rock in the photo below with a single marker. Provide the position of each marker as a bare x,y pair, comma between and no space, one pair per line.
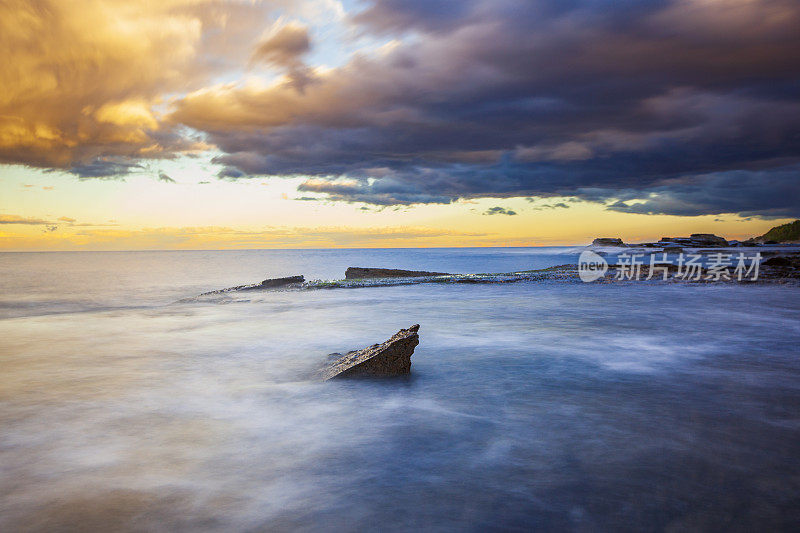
607,241
390,358
366,272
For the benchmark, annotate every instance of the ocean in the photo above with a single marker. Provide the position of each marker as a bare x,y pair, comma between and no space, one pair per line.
127,405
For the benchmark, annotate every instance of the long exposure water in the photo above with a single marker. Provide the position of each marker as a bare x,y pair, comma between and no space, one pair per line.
547,406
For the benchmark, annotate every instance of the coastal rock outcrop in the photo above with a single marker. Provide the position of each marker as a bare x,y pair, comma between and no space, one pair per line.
390,358
271,283
708,239
695,240
366,272
278,282
781,267
608,241
778,261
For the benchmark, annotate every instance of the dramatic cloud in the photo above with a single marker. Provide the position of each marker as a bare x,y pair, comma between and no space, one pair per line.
671,106
284,45
769,194
499,99
381,192
81,80
103,167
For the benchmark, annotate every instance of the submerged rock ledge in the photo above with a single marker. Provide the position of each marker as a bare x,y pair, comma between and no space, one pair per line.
370,273
270,283
775,268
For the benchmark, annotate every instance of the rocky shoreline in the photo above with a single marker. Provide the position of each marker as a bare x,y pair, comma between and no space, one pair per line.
695,240
785,234
779,264
783,268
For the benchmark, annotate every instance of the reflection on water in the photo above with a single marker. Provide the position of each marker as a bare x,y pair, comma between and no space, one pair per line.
536,405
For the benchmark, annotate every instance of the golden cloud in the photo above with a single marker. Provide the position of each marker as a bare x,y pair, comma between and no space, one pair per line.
83,79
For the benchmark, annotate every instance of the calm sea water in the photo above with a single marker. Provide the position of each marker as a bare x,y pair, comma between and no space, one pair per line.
546,406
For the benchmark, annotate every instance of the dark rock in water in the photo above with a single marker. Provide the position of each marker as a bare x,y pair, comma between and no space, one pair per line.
675,240
607,241
365,272
697,239
277,282
269,284
390,358
707,239
266,284
777,261
781,267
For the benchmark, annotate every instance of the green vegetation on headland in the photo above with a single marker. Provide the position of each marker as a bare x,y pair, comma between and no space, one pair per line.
783,233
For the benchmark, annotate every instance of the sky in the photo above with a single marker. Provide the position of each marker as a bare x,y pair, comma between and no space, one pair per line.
217,124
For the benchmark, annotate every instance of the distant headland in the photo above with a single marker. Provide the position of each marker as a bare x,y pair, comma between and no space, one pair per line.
783,234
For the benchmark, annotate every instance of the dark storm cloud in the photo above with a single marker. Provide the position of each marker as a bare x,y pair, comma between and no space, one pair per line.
284,46
104,168
499,211
381,192
770,194
594,100
400,15
542,207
